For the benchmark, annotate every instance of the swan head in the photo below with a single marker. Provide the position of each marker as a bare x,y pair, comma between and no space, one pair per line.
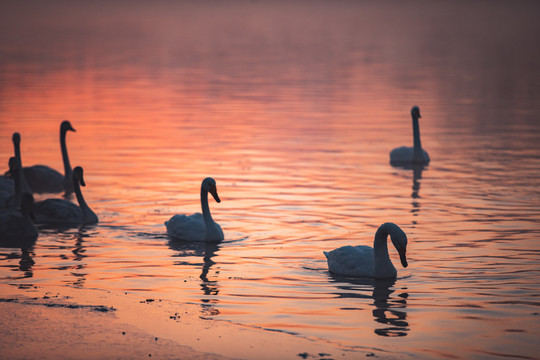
415,112
16,138
66,126
209,185
78,175
399,239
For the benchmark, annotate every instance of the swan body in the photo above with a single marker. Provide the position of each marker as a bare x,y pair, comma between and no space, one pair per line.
6,184
43,179
365,261
197,227
415,154
17,225
63,212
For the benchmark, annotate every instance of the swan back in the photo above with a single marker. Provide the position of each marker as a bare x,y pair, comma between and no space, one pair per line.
356,261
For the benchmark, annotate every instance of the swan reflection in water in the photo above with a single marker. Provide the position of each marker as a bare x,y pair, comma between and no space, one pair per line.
206,250
26,255
79,254
389,306
417,170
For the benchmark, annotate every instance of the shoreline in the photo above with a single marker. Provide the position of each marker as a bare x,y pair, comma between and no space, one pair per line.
54,322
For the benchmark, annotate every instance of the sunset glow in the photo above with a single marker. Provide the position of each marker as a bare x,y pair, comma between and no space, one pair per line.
293,108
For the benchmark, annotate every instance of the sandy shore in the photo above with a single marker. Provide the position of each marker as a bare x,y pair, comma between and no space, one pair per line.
41,322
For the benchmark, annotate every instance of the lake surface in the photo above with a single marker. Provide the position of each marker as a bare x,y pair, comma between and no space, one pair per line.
293,109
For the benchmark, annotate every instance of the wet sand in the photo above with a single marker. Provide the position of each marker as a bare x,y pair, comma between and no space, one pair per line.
42,322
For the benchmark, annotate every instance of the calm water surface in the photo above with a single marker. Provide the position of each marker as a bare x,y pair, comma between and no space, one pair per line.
293,109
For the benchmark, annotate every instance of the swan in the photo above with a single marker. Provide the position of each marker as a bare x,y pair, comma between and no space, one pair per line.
365,261
17,225
415,154
63,212
16,139
43,179
12,199
7,186
197,227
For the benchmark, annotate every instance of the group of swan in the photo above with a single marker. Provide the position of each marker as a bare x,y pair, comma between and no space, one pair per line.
365,261
355,261
19,202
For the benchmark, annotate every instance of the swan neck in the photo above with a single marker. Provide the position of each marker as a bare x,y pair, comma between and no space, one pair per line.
80,199
17,181
416,134
382,263
416,138
22,181
380,246
67,166
205,208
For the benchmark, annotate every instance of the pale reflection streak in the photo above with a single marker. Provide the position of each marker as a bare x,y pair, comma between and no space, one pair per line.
79,252
417,170
210,288
389,310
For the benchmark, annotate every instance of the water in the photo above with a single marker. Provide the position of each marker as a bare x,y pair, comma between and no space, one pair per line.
293,109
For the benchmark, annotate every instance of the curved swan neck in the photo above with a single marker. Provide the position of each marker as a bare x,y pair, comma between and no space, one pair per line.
80,199
68,180
205,208
380,247
383,265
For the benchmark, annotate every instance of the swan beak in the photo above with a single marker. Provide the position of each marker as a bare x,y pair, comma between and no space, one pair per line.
403,258
214,193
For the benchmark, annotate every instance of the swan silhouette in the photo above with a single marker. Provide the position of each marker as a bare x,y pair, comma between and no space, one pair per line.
17,225
7,187
197,227
365,261
16,139
405,155
43,179
12,200
63,212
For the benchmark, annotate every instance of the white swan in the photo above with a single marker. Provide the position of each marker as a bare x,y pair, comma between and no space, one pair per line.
43,179
415,154
197,227
63,212
365,261
17,225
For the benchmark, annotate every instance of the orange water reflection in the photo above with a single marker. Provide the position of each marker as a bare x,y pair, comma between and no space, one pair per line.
295,123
